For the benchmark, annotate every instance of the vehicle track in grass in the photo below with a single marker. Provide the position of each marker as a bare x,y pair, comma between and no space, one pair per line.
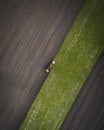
87,111
75,60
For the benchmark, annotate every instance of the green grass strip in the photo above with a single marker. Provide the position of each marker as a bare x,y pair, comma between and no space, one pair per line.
77,56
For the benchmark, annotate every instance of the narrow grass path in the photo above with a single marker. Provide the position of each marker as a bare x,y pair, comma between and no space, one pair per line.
75,60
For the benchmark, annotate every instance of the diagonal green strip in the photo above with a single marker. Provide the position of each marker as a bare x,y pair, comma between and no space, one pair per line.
75,60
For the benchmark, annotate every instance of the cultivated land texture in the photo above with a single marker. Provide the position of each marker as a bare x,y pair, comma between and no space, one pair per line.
76,58
87,111
31,33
